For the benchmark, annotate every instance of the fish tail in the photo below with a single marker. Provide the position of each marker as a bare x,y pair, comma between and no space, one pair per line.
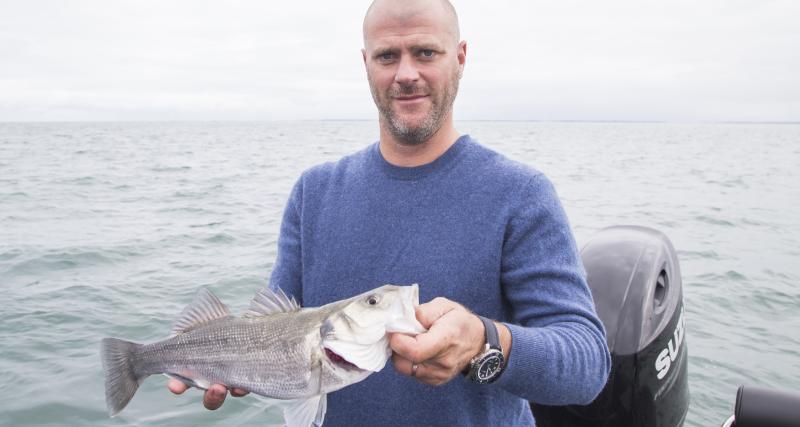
121,378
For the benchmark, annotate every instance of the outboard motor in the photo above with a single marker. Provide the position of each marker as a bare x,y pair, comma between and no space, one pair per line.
635,280
761,407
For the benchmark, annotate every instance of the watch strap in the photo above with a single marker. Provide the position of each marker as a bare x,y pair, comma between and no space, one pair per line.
490,333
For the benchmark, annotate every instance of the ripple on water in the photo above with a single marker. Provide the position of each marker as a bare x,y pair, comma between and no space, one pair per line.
39,265
82,181
774,302
770,273
208,225
728,276
737,182
171,168
56,262
5,256
15,196
183,194
220,238
713,221
55,414
187,209
704,255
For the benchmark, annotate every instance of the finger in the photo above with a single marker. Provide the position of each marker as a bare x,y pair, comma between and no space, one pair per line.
430,312
429,374
176,386
239,392
420,347
401,364
214,397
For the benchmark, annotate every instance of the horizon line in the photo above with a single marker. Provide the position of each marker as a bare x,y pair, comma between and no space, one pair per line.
776,122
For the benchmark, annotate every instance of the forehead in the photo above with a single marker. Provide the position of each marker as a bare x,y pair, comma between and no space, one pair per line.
386,28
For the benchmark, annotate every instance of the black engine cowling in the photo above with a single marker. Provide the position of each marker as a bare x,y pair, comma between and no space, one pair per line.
635,280
764,407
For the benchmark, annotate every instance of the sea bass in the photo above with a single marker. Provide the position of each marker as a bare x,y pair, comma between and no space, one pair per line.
276,349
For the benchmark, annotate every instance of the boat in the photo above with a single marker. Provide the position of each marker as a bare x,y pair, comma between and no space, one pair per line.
635,279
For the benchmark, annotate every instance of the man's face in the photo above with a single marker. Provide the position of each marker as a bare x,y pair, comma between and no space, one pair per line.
413,66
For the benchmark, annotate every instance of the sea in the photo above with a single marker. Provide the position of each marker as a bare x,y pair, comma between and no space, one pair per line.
108,229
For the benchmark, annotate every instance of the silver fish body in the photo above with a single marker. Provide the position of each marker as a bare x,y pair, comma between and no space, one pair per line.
277,349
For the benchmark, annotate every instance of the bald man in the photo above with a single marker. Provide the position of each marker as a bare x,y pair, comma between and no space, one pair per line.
510,318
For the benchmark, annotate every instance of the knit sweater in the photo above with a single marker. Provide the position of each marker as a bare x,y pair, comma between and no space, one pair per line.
474,227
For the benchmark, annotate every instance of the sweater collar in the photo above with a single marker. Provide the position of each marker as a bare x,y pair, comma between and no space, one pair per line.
418,172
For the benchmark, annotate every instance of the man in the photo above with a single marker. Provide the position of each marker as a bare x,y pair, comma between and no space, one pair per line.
484,235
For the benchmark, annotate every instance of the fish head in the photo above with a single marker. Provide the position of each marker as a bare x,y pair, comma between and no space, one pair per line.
356,334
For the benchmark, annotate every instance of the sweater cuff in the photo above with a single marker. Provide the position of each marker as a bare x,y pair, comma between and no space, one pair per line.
523,367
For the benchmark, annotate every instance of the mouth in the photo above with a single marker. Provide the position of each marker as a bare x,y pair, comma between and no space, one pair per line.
410,98
339,360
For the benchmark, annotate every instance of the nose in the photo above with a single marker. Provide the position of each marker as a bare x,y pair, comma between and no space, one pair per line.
407,71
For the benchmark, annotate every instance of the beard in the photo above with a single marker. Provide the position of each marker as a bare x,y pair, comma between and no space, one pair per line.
405,131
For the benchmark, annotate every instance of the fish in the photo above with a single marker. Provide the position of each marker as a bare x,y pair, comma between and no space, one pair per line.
276,349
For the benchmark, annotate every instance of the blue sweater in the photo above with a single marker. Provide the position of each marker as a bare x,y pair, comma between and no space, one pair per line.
474,227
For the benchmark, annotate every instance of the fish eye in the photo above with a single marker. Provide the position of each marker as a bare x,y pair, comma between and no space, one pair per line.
373,300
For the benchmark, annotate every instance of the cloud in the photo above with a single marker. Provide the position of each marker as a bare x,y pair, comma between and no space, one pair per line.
255,60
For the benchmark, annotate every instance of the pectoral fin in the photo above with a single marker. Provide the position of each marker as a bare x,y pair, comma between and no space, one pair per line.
306,413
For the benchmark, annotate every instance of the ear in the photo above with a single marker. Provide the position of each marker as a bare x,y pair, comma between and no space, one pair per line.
461,54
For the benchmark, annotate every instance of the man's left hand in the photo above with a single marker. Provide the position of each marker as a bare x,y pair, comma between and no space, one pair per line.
454,337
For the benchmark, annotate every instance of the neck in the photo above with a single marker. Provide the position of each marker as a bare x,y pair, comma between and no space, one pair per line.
404,155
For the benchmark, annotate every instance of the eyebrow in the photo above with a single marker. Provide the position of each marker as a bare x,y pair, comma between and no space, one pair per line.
428,46
383,50
414,48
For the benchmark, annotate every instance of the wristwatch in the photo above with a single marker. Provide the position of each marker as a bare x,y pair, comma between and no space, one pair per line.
488,364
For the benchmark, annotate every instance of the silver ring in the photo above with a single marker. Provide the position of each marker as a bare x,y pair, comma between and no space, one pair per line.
414,368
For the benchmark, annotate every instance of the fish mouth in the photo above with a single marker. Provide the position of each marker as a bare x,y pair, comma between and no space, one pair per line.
339,360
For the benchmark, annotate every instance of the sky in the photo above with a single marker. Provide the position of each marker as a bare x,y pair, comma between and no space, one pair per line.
633,60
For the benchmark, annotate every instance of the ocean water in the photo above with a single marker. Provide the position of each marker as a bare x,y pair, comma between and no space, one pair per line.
107,229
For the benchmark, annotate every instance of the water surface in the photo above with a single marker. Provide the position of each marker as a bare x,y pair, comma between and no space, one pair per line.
107,229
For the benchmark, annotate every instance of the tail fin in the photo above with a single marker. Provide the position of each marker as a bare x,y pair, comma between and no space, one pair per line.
121,380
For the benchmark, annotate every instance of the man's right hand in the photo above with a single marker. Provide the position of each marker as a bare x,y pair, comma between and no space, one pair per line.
213,398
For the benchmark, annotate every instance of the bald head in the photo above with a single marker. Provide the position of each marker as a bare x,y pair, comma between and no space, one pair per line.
399,11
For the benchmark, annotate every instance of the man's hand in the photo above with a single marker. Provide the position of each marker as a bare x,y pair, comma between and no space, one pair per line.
213,398
454,337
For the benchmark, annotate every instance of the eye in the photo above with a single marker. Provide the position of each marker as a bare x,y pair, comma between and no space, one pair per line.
427,53
373,300
386,56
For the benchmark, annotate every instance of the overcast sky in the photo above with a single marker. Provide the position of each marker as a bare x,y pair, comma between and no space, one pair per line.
699,60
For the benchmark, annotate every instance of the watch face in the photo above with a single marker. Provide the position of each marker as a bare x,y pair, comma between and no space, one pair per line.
488,368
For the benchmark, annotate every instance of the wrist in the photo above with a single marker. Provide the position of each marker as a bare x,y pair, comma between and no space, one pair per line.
489,363
505,339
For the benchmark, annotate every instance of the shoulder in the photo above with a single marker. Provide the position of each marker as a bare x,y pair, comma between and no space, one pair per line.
490,166
354,164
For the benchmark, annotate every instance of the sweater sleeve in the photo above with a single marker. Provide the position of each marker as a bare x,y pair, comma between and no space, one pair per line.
287,272
558,353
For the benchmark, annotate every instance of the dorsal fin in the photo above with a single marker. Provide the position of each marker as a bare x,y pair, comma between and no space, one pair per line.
204,308
268,302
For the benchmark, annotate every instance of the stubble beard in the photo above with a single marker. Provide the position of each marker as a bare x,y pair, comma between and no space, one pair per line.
406,133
